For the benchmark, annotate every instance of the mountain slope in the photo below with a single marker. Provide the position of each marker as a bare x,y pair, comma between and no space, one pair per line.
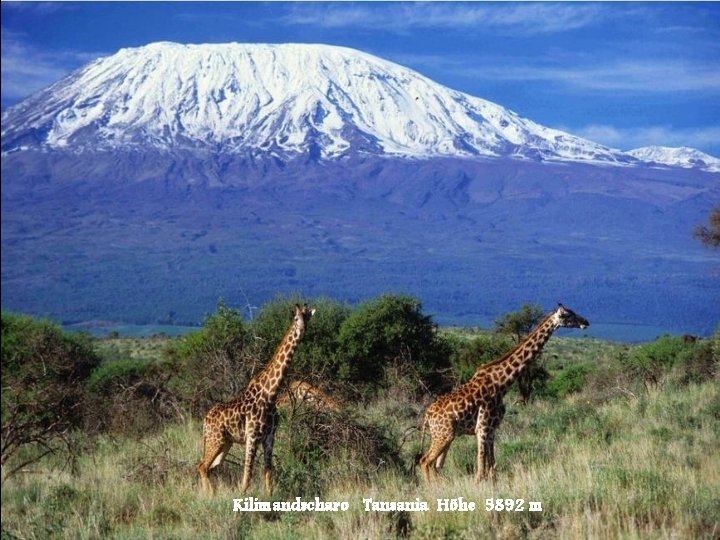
677,157
277,98
148,184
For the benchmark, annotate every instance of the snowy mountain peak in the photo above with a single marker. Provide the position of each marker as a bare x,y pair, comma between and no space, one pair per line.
277,100
677,157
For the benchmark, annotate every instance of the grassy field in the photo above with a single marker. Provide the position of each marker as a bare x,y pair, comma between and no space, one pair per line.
617,459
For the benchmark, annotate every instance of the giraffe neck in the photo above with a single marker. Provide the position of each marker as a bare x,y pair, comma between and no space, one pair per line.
504,370
274,373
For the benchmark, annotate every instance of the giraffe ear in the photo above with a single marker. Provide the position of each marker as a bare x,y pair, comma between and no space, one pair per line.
312,312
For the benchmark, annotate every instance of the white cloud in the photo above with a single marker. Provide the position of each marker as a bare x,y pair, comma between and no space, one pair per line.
631,138
640,75
622,75
528,18
26,69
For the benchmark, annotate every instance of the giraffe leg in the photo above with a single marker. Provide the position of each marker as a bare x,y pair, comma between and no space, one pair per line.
490,455
268,442
438,448
440,461
490,441
214,454
251,444
481,465
482,428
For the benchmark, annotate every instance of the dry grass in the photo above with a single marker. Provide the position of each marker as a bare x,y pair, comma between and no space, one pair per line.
643,467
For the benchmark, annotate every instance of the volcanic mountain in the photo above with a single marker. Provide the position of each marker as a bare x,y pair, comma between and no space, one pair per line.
277,99
149,183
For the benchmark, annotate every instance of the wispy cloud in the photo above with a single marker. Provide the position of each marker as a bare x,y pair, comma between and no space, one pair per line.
26,69
630,138
40,8
624,75
528,18
639,75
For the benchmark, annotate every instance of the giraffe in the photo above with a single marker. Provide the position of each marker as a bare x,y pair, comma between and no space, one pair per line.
302,392
253,416
477,407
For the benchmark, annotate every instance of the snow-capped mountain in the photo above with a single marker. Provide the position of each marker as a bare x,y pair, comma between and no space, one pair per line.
149,183
677,157
279,99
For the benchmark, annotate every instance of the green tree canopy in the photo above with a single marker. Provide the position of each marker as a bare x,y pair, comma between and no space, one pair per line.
391,330
519,323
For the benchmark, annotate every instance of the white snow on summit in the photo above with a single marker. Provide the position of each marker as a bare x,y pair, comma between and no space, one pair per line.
677,157
277,100
281,98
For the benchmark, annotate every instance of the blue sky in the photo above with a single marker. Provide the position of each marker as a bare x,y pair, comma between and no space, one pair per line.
622,74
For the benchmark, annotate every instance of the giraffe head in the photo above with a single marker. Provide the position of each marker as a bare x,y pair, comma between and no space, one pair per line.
302,316
567,318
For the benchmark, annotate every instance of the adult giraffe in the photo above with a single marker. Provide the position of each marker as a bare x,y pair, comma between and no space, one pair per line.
253,416
477,408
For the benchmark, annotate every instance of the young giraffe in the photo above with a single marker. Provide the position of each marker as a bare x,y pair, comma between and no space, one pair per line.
302,392
253,416
477,408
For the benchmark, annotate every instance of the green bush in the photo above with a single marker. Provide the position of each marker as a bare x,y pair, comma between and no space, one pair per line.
213,364
316,357
392,331
674,358
570,379
43,375
703,363
470,355
316,451
116,372
131,396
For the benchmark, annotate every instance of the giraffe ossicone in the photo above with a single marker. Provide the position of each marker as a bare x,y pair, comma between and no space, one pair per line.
476,407
252,417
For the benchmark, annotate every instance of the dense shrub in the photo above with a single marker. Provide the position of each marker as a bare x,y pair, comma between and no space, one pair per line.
213,364
704,362
469,355
392,331
43,371
671,356
123,372
318,450
568,380
131,396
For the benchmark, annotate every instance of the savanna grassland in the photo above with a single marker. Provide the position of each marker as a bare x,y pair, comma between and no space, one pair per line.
615,440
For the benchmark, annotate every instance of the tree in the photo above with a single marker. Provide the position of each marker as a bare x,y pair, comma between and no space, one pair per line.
391,331
518,324
469,355
43,374
316,358
710,236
